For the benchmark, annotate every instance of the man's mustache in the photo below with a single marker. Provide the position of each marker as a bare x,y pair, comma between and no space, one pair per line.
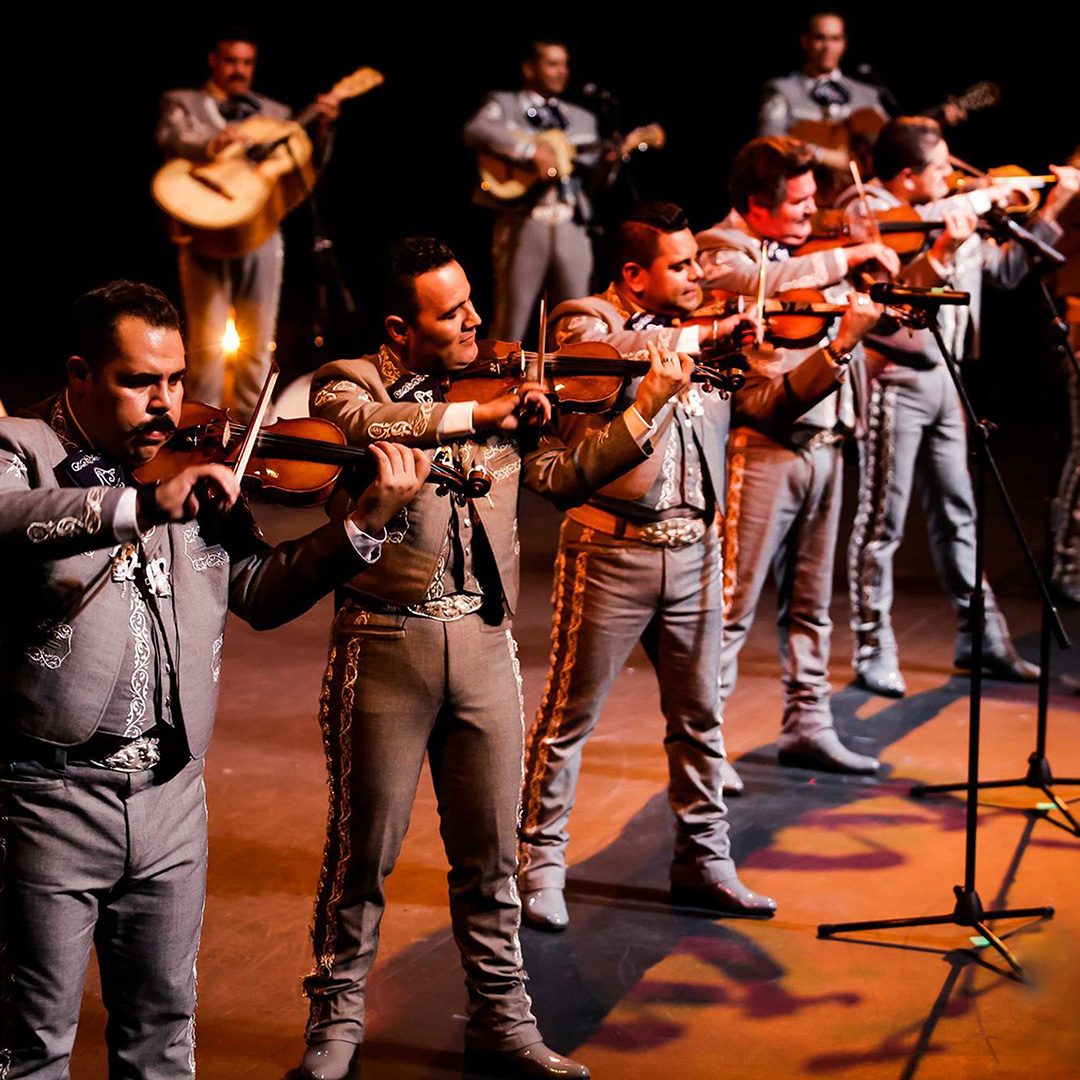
163,424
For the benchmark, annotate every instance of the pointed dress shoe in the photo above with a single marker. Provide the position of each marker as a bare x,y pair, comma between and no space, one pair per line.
823,750
727,897
534,1060
545,909
880,676
1003,662
732,782
330,1060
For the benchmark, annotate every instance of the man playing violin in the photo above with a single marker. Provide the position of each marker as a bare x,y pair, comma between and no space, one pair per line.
785,480
112,629
641,561
914,428
200,125
439,609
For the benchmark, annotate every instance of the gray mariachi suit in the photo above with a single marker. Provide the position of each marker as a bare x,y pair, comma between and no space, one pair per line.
612,590
787,100
543,237
913,431
98,855
251,284
422,661
784,491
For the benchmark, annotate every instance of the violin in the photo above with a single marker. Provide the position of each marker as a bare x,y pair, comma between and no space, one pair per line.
294,462
1026,187
582,377
796,319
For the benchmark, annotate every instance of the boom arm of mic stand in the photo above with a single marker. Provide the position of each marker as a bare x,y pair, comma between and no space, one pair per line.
1014,521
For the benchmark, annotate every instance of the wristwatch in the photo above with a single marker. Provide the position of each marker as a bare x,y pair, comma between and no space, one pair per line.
839,358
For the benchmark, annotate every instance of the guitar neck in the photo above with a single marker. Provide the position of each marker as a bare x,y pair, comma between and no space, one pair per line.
309,115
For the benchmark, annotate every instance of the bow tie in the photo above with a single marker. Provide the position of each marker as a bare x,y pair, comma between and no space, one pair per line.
830,92
547,116
642,320
235,109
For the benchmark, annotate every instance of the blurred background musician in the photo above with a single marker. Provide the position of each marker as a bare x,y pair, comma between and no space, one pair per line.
199,125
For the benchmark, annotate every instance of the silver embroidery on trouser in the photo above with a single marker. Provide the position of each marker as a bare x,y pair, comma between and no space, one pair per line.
515,663
876,459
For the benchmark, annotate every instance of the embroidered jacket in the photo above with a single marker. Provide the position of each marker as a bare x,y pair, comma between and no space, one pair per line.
66,618
373,398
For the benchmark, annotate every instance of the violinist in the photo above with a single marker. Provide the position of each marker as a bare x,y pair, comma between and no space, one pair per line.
438,608
640,561
114,611
785,480
914,428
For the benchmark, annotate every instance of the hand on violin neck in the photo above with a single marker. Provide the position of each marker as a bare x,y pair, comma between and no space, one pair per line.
181,497
400,473
668,375
526,406
859,254
859,319
960,222
1068,183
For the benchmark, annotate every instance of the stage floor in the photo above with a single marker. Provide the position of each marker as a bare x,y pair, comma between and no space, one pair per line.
634,988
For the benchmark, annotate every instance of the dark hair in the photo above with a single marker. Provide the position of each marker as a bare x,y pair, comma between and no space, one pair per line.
637,238
824,15
763,167
96,314
405,261
905,142
236,32
532,50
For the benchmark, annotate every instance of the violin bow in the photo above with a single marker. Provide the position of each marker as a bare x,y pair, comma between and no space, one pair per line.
541,350
864,203
759,334
247,447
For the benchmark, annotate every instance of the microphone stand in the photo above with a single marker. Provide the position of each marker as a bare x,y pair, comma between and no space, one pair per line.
968,910
1039,774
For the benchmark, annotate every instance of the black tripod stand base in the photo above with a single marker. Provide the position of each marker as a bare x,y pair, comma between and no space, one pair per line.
967,913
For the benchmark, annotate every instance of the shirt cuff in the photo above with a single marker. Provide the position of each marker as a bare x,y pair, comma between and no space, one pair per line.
640,429
457,419
126,518
367,547
689,340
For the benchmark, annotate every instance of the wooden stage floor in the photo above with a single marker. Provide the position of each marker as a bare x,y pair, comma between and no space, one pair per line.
634,988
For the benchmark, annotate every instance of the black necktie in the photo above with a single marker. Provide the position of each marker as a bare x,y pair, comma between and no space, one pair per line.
236,109
547,116
830,92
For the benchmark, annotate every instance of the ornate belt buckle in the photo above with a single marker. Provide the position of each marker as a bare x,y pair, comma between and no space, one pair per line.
673,532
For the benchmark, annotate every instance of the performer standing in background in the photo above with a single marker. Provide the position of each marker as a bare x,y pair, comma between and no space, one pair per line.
641,561
785,483
440,609
112,625
915,430
199,125
819,91
541,238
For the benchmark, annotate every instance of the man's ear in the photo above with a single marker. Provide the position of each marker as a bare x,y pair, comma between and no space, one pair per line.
79,373
634,275
397,329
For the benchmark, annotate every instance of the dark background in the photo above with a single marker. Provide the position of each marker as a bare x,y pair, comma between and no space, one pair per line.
87,100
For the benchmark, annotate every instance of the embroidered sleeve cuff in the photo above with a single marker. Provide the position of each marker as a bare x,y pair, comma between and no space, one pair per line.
367,547
689,340
640,429
126,520
457,419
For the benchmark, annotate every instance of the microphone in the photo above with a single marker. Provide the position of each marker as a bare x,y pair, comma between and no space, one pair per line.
885,95
885,292
1005,228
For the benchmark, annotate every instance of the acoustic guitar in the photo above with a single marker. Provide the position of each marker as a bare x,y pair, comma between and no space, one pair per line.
231,205
510,180
857,133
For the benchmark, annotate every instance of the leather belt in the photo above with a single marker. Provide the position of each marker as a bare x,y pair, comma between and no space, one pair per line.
674,532
101,750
